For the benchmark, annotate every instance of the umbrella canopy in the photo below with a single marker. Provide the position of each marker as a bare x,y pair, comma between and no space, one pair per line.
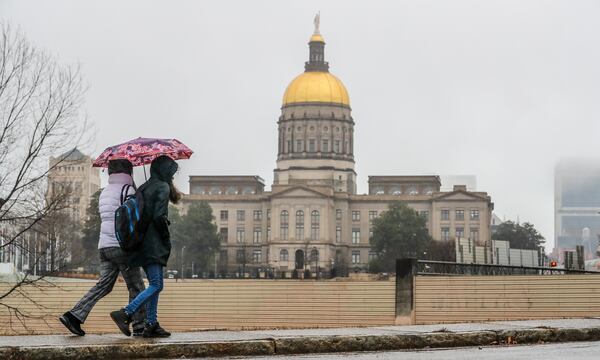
142,151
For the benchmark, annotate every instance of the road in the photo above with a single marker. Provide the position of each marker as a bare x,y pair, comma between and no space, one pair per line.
564,351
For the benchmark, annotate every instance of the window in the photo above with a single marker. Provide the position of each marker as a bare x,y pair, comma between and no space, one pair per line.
370,233
283,255
378,190
445,234
314,256
223,258
311,145
460,215
299,146
257,215
372,214
474,235
241,234
240,256
224,234
338,234
314,225
338,214
445,214
256,256
460,232
474,214
412,190
257,235
285,223
215,190
336,146
241,215
424,214
355,236
224,215
289,146
325,146
299,225
372,256
356,216
232,190
268,216
356,257
396,190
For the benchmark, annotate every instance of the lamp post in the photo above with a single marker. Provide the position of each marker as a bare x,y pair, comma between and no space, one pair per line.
182,248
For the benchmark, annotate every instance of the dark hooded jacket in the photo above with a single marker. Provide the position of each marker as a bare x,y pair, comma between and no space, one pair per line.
156,244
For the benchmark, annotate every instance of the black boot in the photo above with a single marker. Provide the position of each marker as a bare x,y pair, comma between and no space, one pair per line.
155,331
72,323
122,319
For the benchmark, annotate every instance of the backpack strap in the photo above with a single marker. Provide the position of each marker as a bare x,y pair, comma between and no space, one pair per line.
124,191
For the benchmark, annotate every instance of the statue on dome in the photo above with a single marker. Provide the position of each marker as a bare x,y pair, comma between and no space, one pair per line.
317,22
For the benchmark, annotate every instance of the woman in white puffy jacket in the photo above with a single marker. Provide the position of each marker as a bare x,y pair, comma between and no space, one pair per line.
113,260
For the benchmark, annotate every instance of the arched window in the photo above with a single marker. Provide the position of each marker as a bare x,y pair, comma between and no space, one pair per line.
285,224
314,256
299,225
283,255
314,225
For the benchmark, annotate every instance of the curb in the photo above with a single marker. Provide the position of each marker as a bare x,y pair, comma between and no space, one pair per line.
302,345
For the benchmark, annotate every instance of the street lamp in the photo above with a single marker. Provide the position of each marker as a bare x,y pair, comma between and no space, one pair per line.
182,248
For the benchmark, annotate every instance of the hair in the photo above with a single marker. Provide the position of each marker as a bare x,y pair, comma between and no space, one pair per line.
120,166
174,193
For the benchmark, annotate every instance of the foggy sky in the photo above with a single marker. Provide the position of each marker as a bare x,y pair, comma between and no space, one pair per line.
497,89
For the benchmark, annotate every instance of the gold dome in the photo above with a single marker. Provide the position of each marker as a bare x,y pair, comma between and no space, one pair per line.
317,37
316,86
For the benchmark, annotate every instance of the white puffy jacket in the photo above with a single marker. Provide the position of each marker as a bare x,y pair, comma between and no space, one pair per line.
110,200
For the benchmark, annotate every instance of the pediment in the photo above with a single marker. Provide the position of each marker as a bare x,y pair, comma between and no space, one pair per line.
298,192
460,195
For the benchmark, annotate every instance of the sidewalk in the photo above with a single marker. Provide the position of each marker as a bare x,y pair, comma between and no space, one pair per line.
272,342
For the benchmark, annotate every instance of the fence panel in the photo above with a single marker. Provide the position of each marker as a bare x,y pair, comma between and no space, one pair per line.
452,299
218,304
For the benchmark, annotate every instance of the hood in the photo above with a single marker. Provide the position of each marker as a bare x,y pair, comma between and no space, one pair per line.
163,168
120,179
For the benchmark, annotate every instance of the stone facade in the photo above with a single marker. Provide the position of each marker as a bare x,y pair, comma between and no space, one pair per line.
74,170
313,218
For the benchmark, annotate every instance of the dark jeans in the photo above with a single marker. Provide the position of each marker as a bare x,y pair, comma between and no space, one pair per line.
112,261
154,273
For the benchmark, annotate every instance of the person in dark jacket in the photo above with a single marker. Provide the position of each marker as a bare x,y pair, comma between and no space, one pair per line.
155,249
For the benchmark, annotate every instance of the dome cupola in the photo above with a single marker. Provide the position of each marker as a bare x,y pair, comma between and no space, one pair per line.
316,84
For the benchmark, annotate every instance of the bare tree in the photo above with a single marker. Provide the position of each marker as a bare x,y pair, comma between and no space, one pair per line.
40,102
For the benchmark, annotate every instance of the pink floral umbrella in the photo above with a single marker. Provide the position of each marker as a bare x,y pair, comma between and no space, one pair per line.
142,151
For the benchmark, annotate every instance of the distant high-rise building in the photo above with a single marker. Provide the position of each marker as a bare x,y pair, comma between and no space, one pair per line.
577,205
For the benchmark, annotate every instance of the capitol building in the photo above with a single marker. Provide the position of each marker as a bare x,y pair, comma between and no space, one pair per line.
313,218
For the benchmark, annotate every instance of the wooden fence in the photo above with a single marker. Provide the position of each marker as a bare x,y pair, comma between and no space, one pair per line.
217,304
453,299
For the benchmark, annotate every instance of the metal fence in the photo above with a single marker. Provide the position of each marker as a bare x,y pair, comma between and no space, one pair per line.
428,267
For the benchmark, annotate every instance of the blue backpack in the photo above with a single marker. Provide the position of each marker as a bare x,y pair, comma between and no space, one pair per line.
129,228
